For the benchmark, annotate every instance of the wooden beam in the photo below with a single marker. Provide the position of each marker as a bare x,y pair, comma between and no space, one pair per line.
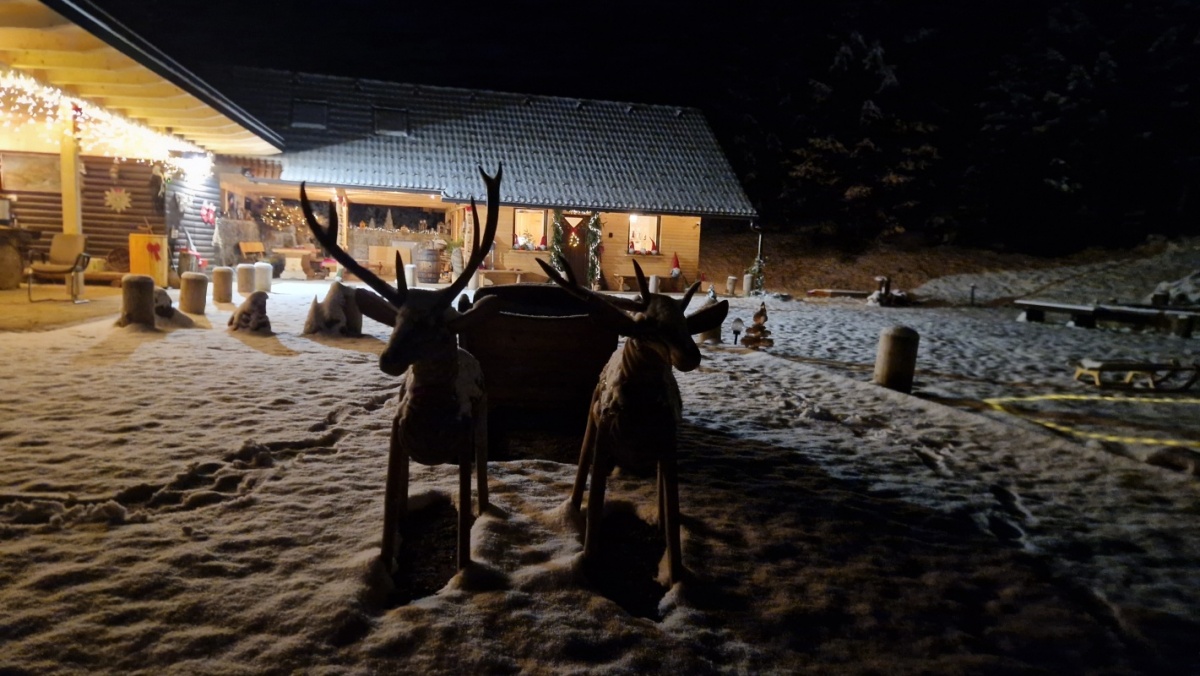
79,76
161,88
69,38
166,104
105,58
28,14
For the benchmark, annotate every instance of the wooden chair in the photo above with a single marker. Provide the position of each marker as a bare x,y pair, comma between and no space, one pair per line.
252,251
66,260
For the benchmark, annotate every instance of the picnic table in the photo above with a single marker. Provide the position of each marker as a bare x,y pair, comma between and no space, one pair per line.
1157,375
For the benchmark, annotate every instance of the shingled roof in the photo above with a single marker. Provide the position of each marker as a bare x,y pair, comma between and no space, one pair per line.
557,152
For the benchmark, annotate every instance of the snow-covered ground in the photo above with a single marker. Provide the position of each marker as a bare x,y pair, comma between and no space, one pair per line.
201,501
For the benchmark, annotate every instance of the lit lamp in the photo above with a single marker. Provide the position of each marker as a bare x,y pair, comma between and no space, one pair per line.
738,327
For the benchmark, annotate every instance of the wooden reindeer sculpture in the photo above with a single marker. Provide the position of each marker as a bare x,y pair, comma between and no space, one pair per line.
636,405
442,415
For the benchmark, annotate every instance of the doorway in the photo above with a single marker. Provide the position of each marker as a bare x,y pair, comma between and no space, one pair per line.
575,245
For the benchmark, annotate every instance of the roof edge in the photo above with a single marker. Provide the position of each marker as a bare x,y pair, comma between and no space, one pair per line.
101,24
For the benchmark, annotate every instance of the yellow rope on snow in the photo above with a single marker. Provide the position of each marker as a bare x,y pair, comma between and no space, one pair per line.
998,404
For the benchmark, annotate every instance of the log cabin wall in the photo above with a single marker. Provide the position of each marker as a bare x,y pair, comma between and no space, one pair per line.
186,196
105,229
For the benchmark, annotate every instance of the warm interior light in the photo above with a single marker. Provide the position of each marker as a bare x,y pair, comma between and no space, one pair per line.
28,106
633,218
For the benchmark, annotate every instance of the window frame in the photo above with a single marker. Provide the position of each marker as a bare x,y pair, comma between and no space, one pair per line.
633,251
535,245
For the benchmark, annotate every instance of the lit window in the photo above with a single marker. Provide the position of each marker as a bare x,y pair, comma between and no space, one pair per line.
529,230
643,234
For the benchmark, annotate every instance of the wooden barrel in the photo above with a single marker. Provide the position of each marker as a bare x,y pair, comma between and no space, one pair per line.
429,265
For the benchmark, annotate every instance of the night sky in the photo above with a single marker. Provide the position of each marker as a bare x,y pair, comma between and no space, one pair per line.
994,122
647,52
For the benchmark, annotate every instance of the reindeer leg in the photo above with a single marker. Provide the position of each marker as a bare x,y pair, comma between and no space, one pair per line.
481,452
395,496
662,501
585,456
464,507
601,465
670,478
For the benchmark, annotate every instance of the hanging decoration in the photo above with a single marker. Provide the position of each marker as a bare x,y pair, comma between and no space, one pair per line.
208,213
573,236
155,250
32,108
278,215
117,199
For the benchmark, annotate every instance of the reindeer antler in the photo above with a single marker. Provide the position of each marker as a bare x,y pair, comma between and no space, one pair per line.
328,239
479,250
599,304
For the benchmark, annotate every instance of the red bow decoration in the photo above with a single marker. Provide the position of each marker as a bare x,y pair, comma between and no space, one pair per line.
154,248
208,214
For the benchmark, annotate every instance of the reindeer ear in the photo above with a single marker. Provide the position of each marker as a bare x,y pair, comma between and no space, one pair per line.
482,309
707,318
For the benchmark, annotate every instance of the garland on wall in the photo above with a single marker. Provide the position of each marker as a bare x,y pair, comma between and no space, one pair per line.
593,234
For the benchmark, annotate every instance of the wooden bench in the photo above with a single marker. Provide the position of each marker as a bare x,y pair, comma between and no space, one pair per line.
1035,311
1157,375
1180,322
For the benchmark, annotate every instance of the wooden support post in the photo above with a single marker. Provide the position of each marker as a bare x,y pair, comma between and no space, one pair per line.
193,292
262,276
222,281
137,300
245,278
896,359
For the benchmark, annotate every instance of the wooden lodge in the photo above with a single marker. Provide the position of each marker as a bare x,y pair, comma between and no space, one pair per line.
213,165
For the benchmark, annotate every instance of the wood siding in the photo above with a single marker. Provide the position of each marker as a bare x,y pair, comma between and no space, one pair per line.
105,229
678,234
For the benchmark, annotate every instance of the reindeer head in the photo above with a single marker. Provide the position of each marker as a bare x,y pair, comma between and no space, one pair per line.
426,324
656,320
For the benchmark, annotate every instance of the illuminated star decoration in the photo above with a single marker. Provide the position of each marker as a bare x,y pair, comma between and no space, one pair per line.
117,199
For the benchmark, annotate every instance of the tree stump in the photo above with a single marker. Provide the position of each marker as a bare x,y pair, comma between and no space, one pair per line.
222,281
262,276
193,292
137,300
896,359
245,278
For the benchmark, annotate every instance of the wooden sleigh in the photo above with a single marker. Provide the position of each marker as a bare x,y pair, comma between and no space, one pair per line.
1169,376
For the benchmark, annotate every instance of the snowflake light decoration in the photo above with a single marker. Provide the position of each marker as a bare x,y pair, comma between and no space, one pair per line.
117,199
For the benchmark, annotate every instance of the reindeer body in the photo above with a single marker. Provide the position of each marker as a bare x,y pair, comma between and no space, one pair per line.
637,392
438,406
441,416
636,406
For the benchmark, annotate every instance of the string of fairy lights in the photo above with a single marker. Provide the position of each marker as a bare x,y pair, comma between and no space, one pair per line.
31,107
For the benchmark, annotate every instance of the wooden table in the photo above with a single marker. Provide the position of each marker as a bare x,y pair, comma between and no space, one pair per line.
296,262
